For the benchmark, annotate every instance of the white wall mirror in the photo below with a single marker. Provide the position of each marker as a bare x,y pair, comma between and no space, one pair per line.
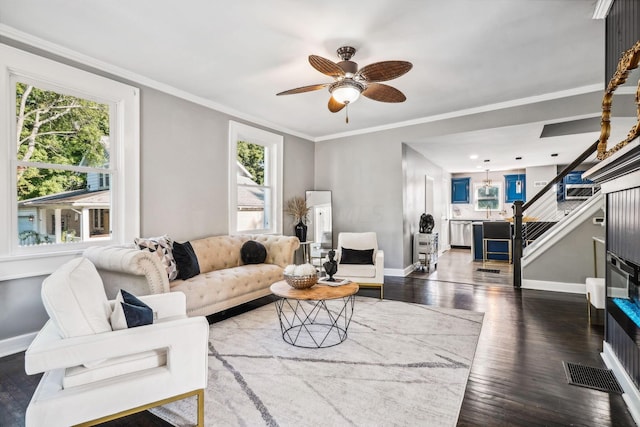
319,224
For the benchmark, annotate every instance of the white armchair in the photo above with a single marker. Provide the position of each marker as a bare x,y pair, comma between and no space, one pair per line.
93,374
367,273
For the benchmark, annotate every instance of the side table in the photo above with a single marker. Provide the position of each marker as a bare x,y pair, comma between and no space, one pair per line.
316,317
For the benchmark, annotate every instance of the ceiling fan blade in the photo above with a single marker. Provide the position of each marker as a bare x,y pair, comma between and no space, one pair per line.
383,93
303,89
335,106
326,66
385,70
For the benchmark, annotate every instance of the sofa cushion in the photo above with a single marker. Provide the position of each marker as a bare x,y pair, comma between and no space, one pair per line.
186,260
130,312
253,252
163,247
356,256
75,300
210,288
356,270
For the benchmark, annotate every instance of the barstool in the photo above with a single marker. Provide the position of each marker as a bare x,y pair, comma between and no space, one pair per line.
496,231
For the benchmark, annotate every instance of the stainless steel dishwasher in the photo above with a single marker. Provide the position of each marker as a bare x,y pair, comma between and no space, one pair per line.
460,233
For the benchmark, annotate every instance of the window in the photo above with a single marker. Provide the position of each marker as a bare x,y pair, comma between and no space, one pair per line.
255,180
488,196
62,145
71,157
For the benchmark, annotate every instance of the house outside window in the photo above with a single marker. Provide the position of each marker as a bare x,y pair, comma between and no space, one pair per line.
71,136
255,180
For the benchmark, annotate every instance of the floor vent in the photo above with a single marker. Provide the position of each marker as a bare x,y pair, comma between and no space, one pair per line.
590,377
489,270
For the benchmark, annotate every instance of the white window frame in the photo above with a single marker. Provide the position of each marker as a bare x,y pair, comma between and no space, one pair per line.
500,197
124,101
274,144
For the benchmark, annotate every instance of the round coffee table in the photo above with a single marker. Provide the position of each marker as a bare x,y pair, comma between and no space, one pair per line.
316,317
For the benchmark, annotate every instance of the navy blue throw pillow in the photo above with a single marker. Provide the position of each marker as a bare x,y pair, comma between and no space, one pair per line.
186,260
136,312
253,252
356,256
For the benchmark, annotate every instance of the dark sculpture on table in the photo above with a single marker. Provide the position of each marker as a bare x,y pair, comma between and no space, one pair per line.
426,223
331,266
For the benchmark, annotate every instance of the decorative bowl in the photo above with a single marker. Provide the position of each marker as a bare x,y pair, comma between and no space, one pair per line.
301,282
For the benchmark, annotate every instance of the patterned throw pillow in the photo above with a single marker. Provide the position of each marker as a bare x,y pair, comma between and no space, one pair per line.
163,247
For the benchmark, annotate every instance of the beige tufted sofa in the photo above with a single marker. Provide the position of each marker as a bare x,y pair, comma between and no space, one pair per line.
224,281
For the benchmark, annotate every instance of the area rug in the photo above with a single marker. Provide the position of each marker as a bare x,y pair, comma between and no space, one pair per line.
402,364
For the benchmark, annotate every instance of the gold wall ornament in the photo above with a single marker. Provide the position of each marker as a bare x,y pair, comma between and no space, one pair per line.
628,62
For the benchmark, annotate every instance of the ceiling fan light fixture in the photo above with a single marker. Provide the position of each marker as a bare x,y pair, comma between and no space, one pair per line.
346,91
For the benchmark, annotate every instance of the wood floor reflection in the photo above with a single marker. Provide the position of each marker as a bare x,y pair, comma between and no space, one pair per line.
517,377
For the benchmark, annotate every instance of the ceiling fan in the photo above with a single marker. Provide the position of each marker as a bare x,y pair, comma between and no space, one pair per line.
350,82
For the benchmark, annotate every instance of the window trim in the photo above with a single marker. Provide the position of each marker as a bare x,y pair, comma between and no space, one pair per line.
499,198
124,101
274,143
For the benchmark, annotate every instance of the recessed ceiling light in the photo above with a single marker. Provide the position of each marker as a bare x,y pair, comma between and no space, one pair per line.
478,167
518,158
473,156
554,155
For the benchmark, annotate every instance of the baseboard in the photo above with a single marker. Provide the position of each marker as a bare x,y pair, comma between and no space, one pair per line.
544,285
631,395
15,345
398,272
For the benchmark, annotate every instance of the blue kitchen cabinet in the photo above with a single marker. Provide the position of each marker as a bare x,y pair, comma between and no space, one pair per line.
575,177
515,187
460,190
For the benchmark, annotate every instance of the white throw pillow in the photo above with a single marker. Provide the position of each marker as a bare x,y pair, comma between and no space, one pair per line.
75,299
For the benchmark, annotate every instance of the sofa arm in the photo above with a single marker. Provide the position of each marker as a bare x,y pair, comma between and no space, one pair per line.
380,265
136,271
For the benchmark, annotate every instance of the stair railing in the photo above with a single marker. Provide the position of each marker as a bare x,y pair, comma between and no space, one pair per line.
539,204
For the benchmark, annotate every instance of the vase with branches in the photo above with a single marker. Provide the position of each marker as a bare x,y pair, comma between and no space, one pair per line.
297,208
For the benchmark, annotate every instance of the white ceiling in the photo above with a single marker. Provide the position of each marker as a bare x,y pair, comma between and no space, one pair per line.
235,56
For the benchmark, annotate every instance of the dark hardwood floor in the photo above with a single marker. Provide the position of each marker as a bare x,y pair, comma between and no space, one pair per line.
517,377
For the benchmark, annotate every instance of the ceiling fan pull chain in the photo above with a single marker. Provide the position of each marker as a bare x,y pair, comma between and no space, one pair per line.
347,111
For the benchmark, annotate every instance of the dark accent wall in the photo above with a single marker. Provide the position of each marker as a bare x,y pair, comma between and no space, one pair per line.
623,224
622,31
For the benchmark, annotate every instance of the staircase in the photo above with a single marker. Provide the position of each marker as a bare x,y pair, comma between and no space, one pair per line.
556,244
566,254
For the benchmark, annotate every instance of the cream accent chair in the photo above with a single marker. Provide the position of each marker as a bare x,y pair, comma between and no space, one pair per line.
94,374
365,275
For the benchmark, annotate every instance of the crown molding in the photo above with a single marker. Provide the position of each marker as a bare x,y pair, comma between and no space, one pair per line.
602,9
61,51
476,110
72,55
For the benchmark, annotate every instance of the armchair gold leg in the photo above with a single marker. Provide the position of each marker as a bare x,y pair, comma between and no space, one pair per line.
199,393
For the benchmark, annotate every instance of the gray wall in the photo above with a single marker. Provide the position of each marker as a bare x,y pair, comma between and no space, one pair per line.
415,169
183,180
21,309
184,162
365,176
572,259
